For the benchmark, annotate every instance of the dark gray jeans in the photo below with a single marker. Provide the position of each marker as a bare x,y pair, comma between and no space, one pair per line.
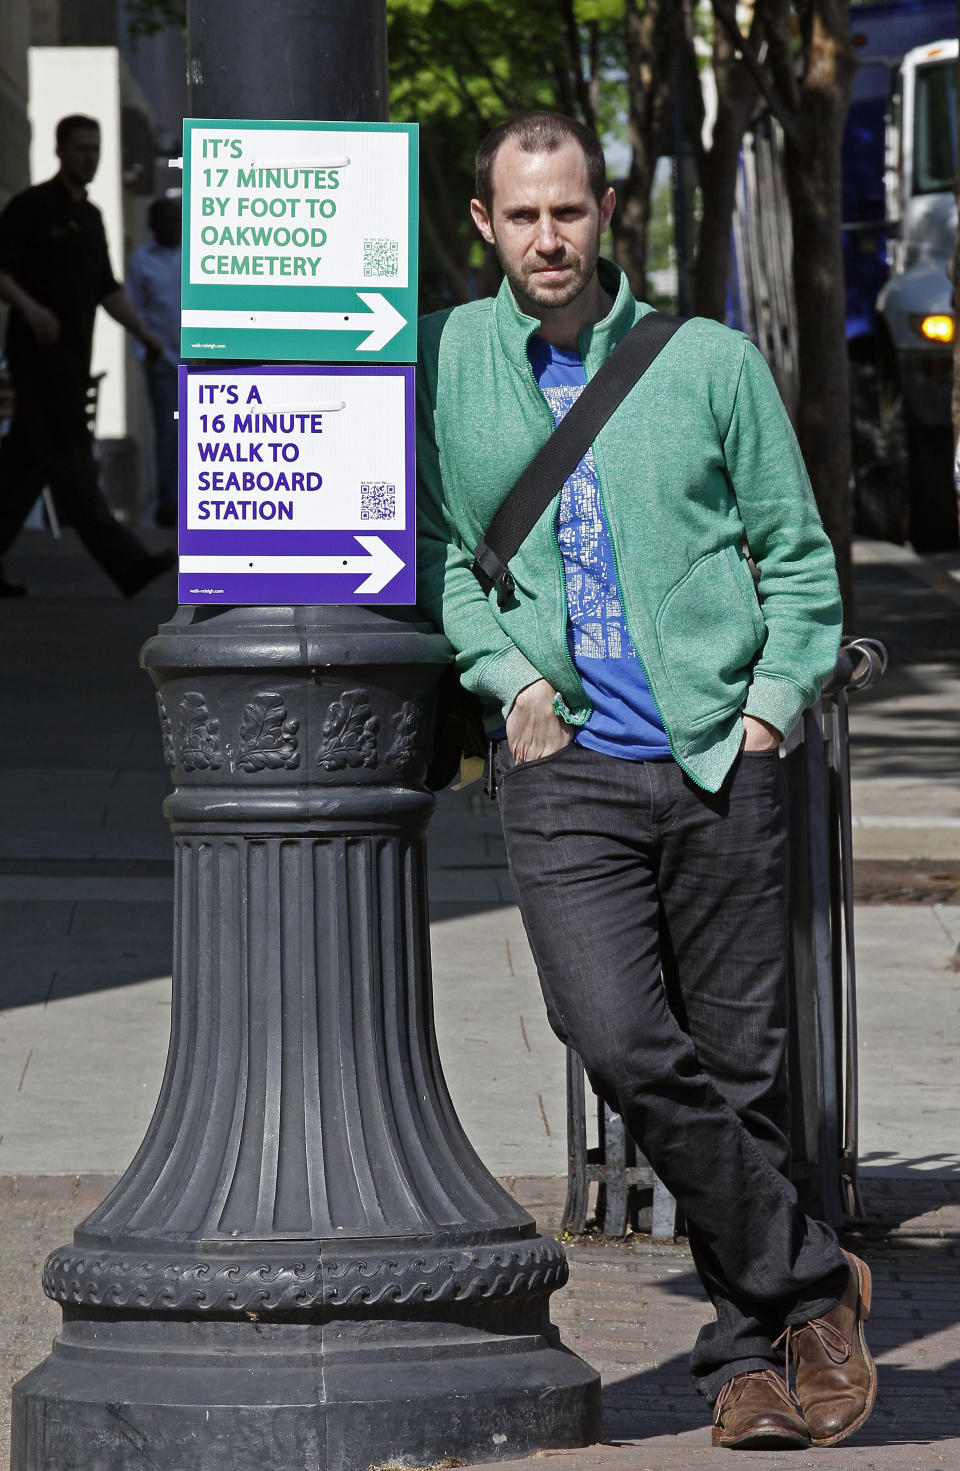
656,913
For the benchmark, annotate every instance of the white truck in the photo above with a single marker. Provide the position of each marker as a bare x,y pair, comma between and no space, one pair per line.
916,312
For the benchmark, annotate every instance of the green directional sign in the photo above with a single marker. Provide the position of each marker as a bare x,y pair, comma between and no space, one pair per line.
299,241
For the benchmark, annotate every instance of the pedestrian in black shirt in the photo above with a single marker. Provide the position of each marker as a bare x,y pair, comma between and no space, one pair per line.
54,273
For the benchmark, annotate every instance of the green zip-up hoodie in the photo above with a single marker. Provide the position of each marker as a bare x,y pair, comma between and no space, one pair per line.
699,455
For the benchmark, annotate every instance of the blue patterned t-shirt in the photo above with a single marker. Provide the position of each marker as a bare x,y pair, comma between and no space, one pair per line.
624,720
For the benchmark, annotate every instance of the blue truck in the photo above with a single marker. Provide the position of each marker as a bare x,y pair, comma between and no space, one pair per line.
899,162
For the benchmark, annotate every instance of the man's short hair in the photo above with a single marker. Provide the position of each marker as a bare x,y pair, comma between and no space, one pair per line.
75,123
539,132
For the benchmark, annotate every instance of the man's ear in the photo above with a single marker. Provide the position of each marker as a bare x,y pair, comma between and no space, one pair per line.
482,220
607,206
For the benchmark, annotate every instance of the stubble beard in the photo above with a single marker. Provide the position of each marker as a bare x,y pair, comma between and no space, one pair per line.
524,283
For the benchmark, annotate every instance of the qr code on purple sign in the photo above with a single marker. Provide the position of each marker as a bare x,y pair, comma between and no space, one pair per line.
378,500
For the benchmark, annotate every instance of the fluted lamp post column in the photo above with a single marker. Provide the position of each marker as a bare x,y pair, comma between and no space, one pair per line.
306,1265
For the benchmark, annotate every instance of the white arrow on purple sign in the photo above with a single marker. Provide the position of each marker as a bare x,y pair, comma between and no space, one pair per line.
379,562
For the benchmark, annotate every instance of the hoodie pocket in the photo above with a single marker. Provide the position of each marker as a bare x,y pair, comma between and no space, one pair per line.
709,632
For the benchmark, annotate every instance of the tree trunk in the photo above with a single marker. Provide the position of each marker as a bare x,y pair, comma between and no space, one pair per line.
647,33
736,93
814,185
443,227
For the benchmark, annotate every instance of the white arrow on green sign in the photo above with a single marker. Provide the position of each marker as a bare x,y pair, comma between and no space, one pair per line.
381,321
299,241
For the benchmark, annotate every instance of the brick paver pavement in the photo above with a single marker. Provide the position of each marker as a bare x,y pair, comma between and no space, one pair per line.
634,1313
633,1310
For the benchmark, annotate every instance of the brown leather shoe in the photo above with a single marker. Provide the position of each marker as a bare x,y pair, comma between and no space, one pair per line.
756,1411
836,1379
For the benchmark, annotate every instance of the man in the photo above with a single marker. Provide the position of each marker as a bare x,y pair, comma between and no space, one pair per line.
645,692
153,281
54,272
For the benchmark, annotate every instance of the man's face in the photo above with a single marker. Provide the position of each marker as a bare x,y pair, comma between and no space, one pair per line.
545,223
79,154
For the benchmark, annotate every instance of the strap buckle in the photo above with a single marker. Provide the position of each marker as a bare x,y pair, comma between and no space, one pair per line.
506,587
491,573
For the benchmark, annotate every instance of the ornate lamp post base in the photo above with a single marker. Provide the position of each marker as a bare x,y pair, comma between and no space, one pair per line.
244,1395
306,1265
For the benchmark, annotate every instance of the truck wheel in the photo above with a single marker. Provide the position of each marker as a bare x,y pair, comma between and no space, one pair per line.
934,523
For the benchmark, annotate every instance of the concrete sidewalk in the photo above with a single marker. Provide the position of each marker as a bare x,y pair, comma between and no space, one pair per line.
85,903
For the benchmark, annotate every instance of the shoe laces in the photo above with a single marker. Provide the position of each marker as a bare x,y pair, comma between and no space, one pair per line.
834,1344
770,1376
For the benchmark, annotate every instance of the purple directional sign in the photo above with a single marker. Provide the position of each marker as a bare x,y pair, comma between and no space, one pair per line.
297,485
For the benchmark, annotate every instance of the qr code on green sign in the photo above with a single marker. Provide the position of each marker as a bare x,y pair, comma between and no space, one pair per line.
381,257
378,500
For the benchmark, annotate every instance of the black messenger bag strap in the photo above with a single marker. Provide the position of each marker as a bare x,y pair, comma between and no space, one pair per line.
566,447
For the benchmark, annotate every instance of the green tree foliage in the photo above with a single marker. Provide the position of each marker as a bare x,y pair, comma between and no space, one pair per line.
461,67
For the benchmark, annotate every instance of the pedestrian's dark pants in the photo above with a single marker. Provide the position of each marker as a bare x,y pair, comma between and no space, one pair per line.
656,913
48,443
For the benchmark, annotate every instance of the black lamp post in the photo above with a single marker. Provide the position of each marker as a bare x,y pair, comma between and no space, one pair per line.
306,1265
